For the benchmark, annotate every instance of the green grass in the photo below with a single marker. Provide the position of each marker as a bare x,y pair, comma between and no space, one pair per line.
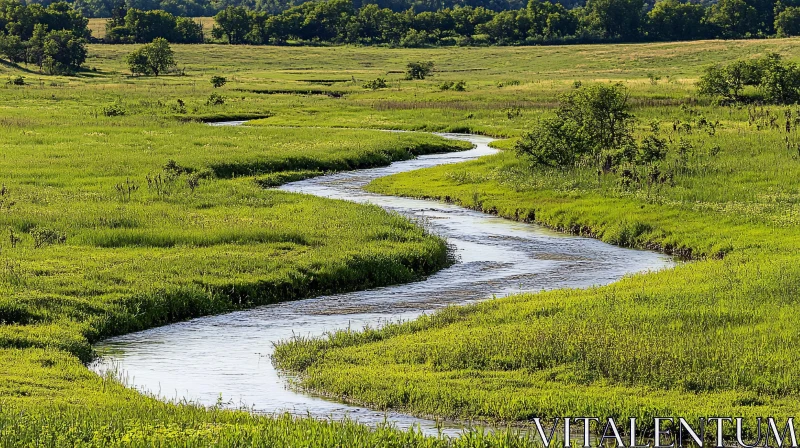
168,251
712,337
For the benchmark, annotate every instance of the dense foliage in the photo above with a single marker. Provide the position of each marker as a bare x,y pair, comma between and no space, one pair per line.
343,21
776,80
589,121
137,26
154,58
538,22
204,8
52,38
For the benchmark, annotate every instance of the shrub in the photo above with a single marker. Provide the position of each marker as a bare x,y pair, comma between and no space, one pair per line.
215,100
218,81
419,69
652,149
16,81
589,121
114,110
459,86
375,84
780,82
553,142
45,237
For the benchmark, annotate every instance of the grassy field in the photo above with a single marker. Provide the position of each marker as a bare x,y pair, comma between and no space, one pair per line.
121,212
712,337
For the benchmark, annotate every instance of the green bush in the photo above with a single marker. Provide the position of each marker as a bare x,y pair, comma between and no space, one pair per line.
152,59
589,120
375,84
778,82
419,69
218,81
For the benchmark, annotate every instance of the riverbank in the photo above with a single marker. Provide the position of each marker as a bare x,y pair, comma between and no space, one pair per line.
208,360
711,337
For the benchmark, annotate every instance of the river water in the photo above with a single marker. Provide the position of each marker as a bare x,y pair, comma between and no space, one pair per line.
227,357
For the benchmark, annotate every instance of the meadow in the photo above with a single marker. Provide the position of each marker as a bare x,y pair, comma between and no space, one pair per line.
121,210
714,336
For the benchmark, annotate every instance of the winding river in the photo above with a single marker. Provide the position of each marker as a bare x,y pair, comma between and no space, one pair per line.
227,357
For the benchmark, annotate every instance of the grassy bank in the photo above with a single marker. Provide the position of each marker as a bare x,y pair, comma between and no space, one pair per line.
120,212
712,337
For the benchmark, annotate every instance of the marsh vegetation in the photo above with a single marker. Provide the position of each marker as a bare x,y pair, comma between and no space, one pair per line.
121,211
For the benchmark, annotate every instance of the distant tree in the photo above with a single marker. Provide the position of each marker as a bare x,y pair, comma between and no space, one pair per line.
62,52
778,81
615,18
733,18
218,81
415,39
55,52
787,22
188,31
676,20
13,48
503,29
234,22
419,69
139,26
152,59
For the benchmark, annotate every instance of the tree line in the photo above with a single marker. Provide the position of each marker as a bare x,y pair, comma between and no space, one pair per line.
205,8
53,37
138,26
540,22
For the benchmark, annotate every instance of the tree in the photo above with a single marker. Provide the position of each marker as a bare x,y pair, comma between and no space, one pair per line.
778,81
676,20
13,48
152,59
233,23
218,81
62,52
187,31
419,69
728,81
615,19
733,18
787,22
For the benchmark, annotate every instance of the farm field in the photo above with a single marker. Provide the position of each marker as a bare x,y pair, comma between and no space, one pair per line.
120,210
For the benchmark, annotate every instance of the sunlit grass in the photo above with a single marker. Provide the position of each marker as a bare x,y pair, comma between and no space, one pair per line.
207,237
